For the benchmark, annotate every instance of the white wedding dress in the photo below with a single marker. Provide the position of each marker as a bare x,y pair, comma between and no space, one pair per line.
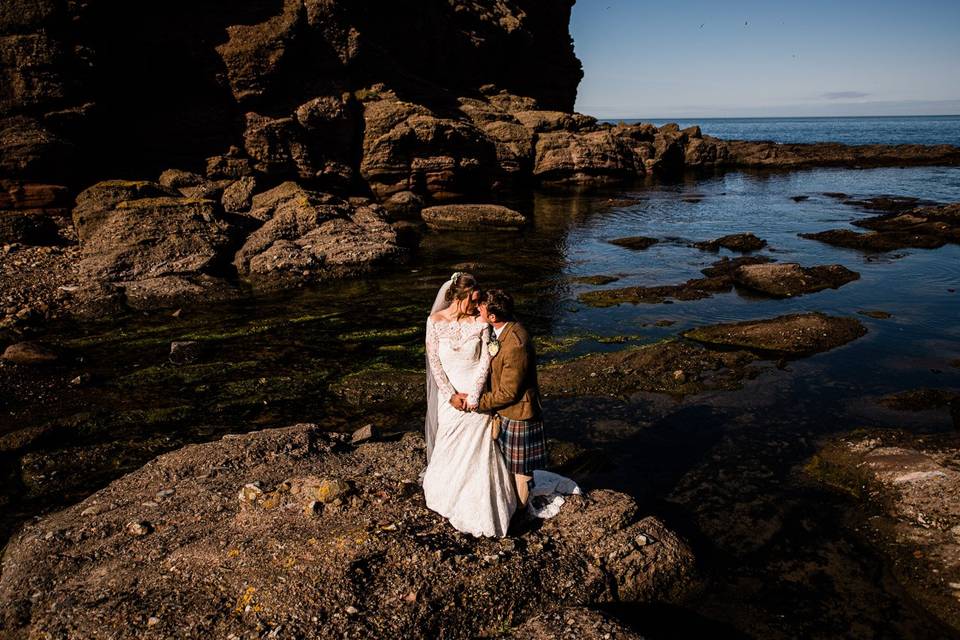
467,479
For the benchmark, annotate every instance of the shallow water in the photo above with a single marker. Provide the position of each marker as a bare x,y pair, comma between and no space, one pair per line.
720,467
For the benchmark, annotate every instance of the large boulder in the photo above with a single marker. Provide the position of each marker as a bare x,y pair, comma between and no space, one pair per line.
473,217
289,529
407,148
316,236
593,157
136,238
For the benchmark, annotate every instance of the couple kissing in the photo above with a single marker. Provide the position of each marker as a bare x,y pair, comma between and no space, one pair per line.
486,450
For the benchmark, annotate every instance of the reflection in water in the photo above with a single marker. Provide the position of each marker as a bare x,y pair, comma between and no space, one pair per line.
718,466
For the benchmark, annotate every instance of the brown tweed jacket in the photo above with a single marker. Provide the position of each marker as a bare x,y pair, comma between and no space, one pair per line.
512,390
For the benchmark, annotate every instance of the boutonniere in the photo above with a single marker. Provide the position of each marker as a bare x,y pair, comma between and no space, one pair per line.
493,347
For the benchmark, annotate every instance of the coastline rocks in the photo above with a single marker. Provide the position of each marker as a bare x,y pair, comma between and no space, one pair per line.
594,157
791,335
473,217
740,242
316,236
372,562
783,280
912,483
747,153
923,228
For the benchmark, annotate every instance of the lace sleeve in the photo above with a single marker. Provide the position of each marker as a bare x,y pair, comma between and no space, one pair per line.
473,396
433,357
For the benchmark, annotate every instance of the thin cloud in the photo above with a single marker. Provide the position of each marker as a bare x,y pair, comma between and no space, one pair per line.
844,95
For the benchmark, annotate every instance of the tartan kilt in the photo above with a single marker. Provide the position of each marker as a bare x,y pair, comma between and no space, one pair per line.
523,445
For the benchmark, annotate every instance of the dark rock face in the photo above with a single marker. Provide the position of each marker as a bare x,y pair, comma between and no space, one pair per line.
206,531
60,63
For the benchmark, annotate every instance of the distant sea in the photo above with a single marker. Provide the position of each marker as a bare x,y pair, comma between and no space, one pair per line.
848,130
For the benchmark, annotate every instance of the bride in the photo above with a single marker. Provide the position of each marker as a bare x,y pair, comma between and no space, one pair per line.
467,479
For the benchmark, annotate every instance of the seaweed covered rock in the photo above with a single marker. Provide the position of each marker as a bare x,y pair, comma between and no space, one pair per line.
205,533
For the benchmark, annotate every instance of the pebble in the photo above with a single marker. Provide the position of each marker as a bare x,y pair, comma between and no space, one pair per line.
139,529
153,621
352,610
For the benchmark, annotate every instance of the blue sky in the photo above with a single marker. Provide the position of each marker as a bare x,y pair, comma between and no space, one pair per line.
775,58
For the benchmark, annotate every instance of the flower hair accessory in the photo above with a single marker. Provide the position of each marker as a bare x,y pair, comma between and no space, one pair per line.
456,275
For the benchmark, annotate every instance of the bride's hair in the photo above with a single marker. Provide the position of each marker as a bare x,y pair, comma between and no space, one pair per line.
461,288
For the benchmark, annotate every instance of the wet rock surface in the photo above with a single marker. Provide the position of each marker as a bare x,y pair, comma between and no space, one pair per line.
754,274
473,217
203,534
787,279
674,367
740,242
911,482
921,228
791,335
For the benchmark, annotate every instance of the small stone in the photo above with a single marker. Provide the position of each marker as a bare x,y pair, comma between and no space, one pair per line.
331,490
164,493
153,621
90,511
250,493
641,540
139,529
364,434
410,597
679,376
351,610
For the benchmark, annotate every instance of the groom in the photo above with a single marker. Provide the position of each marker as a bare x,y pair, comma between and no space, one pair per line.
512,392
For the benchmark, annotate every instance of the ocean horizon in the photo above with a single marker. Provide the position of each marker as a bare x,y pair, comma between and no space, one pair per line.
919,129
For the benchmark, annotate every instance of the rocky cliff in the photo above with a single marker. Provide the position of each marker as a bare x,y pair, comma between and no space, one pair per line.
102,86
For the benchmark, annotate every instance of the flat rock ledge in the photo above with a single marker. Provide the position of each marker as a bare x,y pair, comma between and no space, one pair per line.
787,279
913,483
299,533
473,217
798,334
